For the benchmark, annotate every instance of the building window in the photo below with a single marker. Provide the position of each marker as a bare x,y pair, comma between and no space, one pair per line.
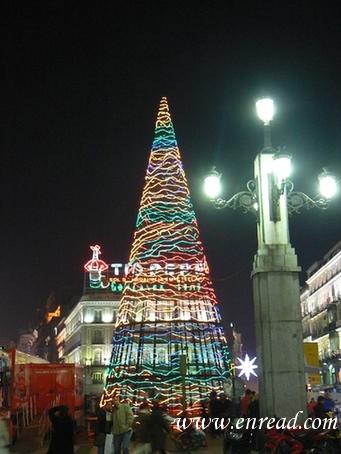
98,358
107,316
98,316
97,378
97,337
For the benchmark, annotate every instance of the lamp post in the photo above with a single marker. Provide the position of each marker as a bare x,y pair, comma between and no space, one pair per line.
183,373
275,274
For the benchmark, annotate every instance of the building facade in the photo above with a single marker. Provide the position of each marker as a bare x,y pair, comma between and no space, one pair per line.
321,312
84,337
88,337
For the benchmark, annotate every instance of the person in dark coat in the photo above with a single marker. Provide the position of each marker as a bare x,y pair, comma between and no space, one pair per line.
100,430
320,411
213,405
253,411
62,431
225,406
214,410
142,428
158,429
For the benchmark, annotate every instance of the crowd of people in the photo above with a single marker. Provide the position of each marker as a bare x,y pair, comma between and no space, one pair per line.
321,407
150,425
149,428
223,407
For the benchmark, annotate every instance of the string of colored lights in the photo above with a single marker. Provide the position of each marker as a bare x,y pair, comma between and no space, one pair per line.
158,323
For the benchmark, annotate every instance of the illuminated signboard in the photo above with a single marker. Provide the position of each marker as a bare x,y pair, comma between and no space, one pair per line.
114,277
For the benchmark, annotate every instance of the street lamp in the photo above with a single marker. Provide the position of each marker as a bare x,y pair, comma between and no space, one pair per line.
212,184
265,110
328,185
275,274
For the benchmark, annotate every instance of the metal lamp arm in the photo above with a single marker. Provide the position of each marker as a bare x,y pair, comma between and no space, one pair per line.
296,200
245,200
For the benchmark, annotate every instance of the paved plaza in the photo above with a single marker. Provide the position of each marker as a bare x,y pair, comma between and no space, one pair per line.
29,443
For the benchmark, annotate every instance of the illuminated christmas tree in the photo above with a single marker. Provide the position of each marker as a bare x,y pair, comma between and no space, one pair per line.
168,342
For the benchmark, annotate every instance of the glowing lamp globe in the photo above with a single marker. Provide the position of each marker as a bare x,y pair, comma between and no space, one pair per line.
212,185
327,185
265,110
281,166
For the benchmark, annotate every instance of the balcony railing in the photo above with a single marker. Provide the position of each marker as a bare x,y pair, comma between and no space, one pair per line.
306,333
97,364
71,347
330,355
319,332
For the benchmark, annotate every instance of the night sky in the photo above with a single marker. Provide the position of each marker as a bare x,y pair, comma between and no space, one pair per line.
80,90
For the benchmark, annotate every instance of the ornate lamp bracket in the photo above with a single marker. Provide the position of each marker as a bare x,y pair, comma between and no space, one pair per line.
247,201
297,201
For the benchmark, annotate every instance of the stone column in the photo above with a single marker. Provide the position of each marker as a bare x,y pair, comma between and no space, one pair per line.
276,294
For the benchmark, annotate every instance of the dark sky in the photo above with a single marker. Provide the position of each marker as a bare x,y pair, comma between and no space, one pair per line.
80,89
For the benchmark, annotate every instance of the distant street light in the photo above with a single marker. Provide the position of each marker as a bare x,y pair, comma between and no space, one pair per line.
275,275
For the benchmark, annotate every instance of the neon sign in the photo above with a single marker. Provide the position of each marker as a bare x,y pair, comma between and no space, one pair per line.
146,281
117,276
155,268
95,266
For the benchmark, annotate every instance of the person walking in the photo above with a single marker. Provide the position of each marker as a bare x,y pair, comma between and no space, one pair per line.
225,406
245,402
253,410
122,421
214,410
320,411
62,433
158,429
100,429
311,407
142,430
4,436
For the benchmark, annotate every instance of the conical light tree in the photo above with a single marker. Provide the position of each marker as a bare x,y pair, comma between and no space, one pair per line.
168,341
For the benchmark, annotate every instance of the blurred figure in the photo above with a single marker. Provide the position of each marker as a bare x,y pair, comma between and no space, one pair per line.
245,402
311,407
253,411
225,406
13,431
145,404
142,430
62,431
122,421
158,429
320,411
329,404
100,429
213,405
213,410
204,410
4,437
